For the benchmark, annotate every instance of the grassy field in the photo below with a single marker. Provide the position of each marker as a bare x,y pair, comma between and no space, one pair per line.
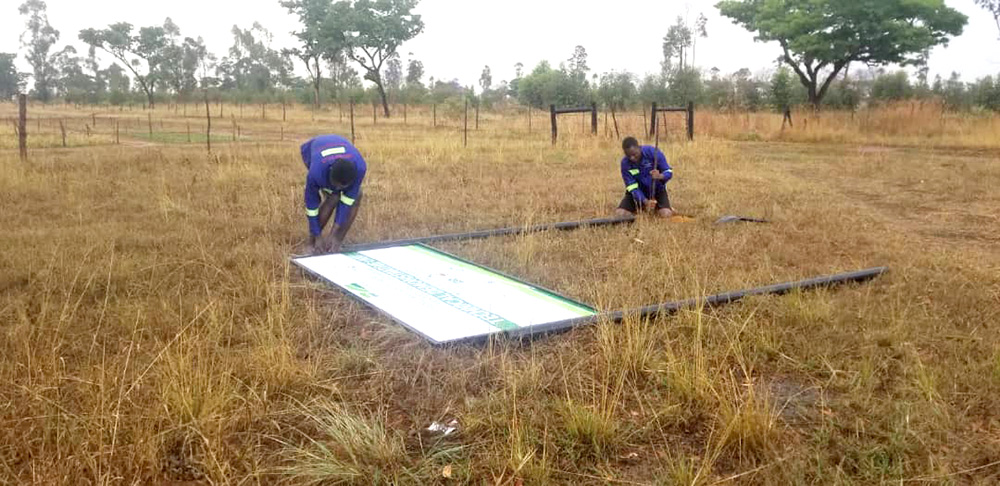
153,330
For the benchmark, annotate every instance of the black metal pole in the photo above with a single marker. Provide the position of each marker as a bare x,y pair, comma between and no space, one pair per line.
568,225
709,301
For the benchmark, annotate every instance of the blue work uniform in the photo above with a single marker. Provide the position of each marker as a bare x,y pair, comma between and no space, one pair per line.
638,179
318,155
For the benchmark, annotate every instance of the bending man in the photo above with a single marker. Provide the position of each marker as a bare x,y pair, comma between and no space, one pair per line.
645,172
336,170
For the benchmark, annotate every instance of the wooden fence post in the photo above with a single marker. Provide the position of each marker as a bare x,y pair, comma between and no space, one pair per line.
652,123
552,115
593,118
690,120
22,126
352,121
62,129
465,132
208,125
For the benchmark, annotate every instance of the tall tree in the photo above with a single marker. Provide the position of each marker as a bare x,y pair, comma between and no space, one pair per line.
131,50
414,73
485,79
616,90
819,38
38,38
372,31
317,43
993,7
578,65
700,30
178,61
781,89
11,81
252,66
675,45
394,74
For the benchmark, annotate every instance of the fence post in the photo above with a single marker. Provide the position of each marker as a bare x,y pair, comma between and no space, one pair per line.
529,118
434,110
149,120
22,126
552,115
352,121
652,122
208,126
690,120
404,113
374,120
189,131
62,129
465,131
477,116
593,118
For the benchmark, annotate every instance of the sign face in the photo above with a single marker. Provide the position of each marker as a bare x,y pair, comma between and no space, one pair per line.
440,296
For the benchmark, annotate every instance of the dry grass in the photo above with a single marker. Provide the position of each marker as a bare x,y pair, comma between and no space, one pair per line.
153,330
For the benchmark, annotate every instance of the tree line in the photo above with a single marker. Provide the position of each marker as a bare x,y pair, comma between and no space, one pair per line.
832,53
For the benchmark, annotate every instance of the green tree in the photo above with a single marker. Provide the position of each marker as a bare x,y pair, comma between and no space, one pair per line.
684,86
38,39
414,73
394,76
578,65
372,31
131,50
781,89
616,91
675,45
11,81
820,37
545,86
892,87
955,93
485,79
178,61
653,89
317,42
119,85
700,30
252,66
993,7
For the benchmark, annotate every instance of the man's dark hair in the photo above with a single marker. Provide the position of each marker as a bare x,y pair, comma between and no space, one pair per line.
629,142
342,172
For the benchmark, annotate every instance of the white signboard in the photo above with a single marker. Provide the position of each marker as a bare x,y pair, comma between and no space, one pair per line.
439,296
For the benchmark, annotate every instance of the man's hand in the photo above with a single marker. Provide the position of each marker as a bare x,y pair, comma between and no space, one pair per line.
650,204
316,245
335,244
657,175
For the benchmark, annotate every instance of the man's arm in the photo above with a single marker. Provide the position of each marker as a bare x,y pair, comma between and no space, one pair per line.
631,184
312,200
663,167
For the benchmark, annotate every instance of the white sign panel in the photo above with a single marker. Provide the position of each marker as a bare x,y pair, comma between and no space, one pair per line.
439,296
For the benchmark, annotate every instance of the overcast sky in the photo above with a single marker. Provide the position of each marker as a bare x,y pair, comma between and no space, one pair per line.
461,36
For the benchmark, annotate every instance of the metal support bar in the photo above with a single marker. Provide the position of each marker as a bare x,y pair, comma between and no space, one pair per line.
583,109
568,225
709,301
